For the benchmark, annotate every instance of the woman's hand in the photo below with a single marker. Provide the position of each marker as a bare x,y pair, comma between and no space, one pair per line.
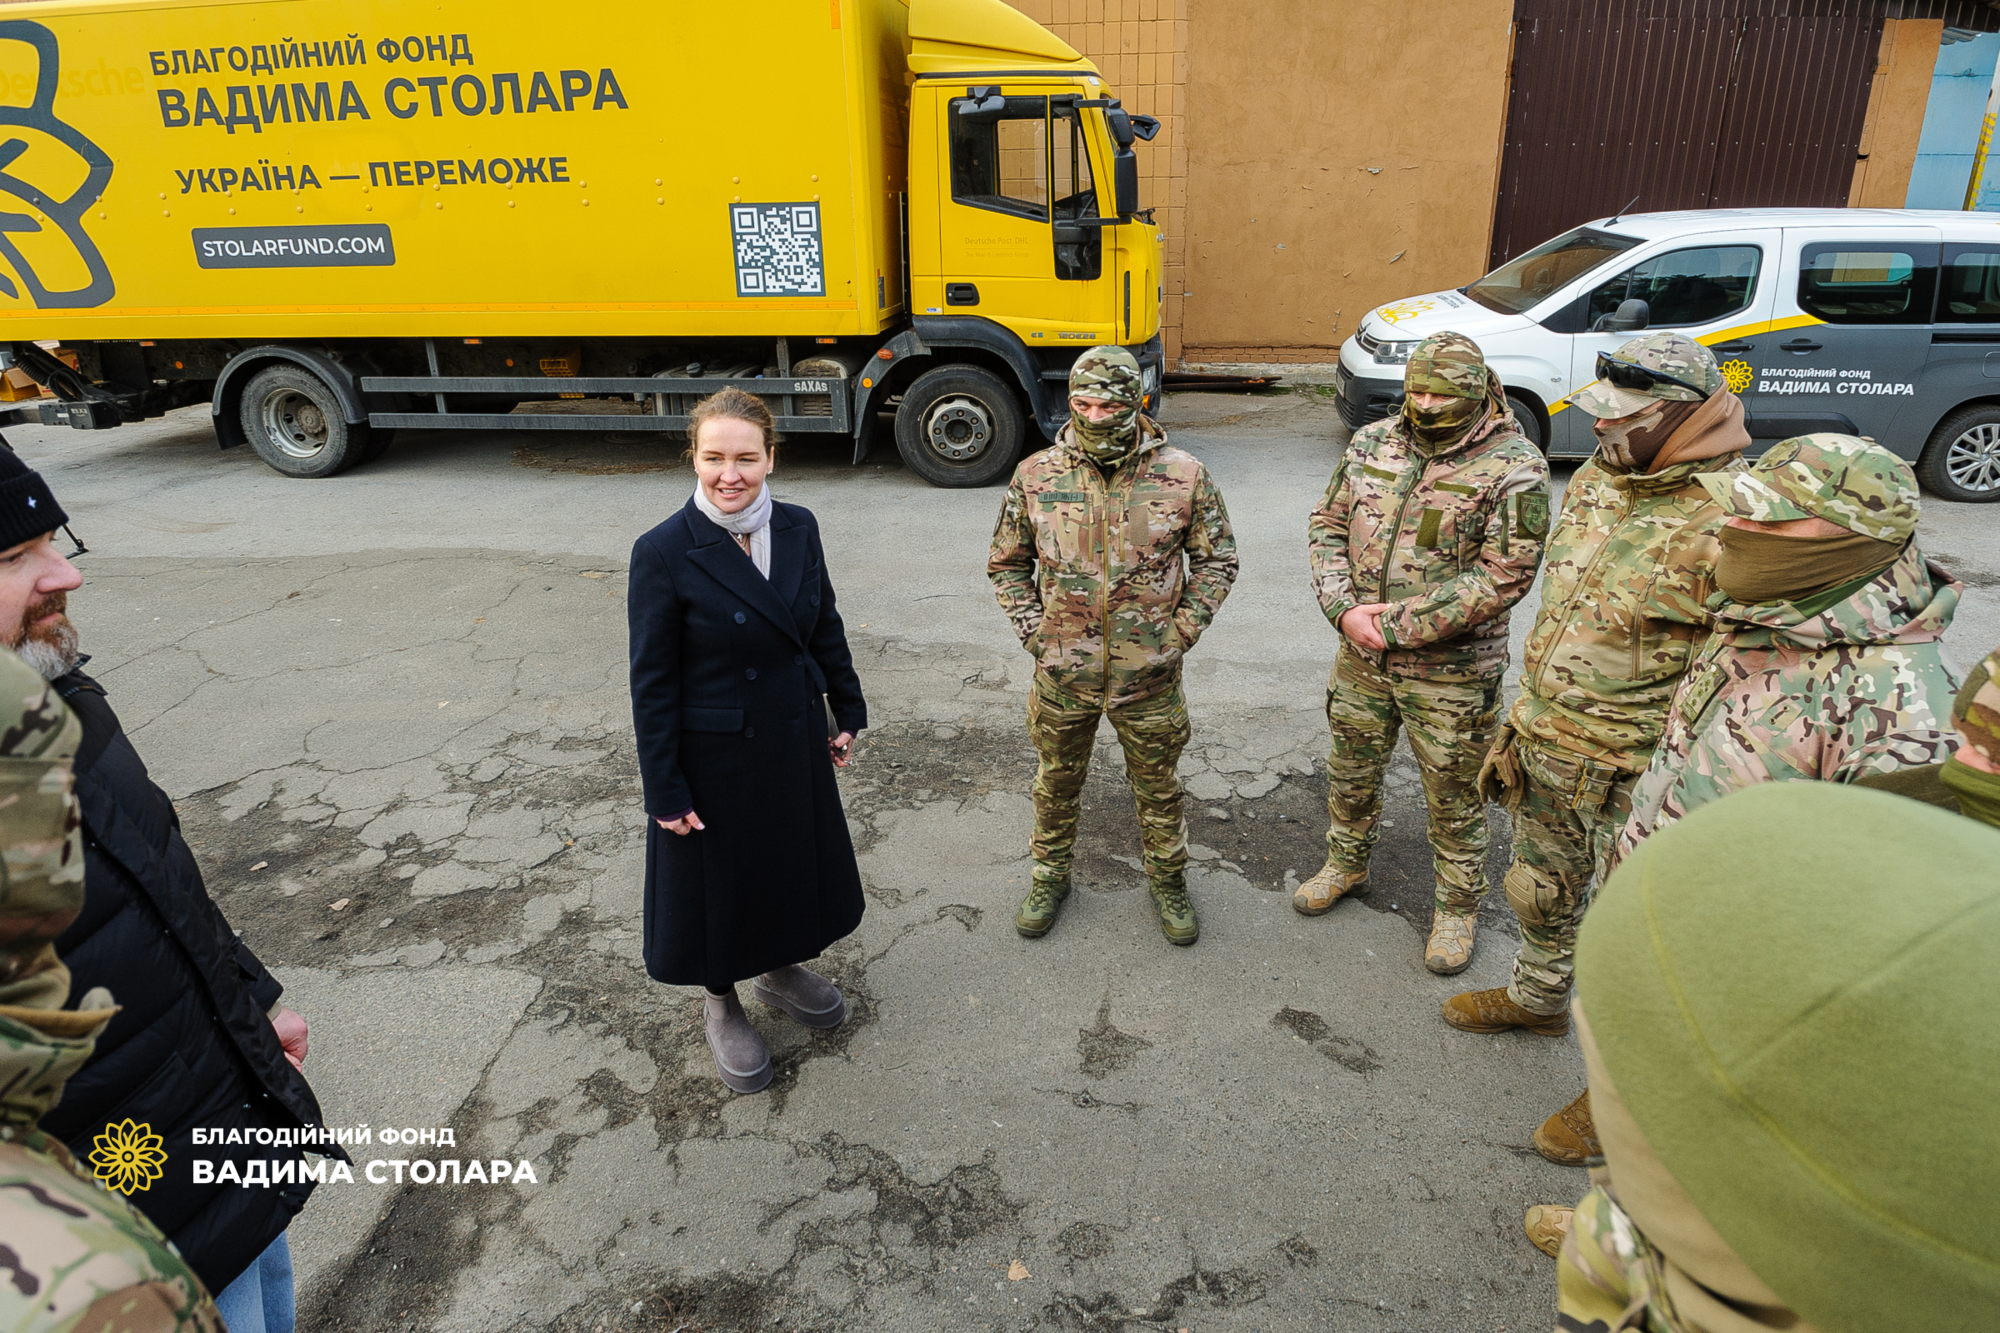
841,748
686,824
1363,624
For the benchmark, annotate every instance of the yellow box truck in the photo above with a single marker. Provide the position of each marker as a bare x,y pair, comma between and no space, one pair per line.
336,220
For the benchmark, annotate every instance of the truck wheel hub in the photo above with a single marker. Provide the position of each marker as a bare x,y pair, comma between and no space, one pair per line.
295,423
1974,460
960,429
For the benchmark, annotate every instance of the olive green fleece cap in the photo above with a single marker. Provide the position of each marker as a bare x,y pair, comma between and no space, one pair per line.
1792,988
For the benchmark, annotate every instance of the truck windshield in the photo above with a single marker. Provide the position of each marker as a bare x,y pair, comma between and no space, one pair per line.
1528,280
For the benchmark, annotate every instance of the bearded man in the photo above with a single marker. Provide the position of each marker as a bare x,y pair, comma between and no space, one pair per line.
200,1040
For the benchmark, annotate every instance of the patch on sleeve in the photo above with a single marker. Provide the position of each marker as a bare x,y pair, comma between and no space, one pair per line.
1531,514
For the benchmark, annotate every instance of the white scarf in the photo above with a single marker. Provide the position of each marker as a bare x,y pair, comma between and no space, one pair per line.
752,523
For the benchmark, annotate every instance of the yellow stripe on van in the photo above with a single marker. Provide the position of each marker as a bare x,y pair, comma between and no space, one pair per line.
1710,339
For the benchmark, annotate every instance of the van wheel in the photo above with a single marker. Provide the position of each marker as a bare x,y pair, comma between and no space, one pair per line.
294,422
1962,460
1530,421
959,426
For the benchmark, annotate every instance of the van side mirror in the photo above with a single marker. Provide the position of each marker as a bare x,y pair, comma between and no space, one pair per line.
1125,182
1630,317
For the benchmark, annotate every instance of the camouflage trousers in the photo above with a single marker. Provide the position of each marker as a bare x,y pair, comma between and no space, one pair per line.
1152,731
1565,829
1609,1278
1451,724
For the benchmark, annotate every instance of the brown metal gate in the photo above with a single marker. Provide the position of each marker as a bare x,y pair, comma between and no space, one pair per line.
1681,104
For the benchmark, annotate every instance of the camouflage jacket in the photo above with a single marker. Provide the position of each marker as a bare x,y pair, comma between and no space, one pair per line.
1109,580
75,1256
79,1256
1863,687
1451,539
1629,569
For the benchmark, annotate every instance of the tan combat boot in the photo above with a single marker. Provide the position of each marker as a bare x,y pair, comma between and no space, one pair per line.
1318,894
1493,1011
1547,1225
1450,949
1569,1137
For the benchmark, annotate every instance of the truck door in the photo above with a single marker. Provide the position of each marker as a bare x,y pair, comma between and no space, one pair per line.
1718,293
1856,318
1013,160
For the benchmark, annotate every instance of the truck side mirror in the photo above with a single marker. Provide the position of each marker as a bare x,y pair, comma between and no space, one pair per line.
1145,127
1630,317
1121,126
1125,182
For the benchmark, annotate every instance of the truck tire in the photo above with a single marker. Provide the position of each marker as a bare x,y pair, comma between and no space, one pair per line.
1962,460
1530,421
294,422
959,426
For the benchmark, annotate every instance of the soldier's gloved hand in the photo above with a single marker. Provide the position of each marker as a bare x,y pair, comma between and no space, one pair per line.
1500,771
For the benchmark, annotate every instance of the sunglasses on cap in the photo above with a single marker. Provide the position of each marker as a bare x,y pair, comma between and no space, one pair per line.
1628,376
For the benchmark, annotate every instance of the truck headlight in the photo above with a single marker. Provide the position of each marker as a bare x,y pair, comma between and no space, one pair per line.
1149,379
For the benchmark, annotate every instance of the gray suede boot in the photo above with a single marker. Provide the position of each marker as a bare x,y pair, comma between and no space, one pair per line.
740,1054
806,996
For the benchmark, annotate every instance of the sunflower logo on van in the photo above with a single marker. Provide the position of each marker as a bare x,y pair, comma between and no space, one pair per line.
1402,310
128,1157
1737,374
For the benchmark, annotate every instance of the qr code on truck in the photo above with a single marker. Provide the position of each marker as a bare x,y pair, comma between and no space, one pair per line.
777,249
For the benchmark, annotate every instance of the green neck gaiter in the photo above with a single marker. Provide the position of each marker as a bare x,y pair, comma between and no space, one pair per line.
1109,442
1978,793
1763,567
1443,426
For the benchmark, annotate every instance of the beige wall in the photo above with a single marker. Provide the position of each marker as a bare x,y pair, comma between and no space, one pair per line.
1896,105
1335,169
1141,45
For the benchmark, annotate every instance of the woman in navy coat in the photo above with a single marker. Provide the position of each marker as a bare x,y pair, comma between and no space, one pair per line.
737,652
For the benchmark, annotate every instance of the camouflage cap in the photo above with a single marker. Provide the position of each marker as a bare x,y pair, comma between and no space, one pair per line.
1841,478
1672,354
1450,364
1110,373
1976,712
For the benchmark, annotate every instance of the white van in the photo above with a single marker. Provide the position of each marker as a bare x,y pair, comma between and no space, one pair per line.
1876,322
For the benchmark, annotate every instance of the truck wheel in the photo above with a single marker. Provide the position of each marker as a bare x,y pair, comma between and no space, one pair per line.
294,422
1530,421
959,426
1962,460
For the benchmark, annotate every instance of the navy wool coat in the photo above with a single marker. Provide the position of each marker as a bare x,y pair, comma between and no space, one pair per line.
729,671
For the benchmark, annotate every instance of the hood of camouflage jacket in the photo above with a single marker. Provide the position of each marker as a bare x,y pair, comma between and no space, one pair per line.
1912,601
1714,432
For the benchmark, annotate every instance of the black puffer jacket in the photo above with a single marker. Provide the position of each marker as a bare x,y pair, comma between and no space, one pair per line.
192,1046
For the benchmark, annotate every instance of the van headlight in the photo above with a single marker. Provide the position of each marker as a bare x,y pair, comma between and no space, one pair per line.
1394,354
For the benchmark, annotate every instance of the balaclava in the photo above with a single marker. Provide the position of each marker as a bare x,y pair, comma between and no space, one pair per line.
1110,373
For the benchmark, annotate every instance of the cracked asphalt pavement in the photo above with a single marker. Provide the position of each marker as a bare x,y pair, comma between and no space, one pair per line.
391,708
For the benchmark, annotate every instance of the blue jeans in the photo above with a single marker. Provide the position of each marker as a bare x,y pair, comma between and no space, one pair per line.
260,1299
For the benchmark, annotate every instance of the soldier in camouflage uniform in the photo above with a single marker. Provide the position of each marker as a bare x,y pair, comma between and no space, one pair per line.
1630,568
1826,660
1430,529
76,1256
1112,554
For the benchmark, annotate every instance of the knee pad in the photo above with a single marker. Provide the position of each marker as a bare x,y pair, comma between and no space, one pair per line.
1536,897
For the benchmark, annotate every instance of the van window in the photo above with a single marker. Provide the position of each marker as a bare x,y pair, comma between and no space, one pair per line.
1532,278
1683,288
1000,154
1971,288
1853,282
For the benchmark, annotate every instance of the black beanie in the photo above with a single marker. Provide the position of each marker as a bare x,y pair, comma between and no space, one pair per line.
28,508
